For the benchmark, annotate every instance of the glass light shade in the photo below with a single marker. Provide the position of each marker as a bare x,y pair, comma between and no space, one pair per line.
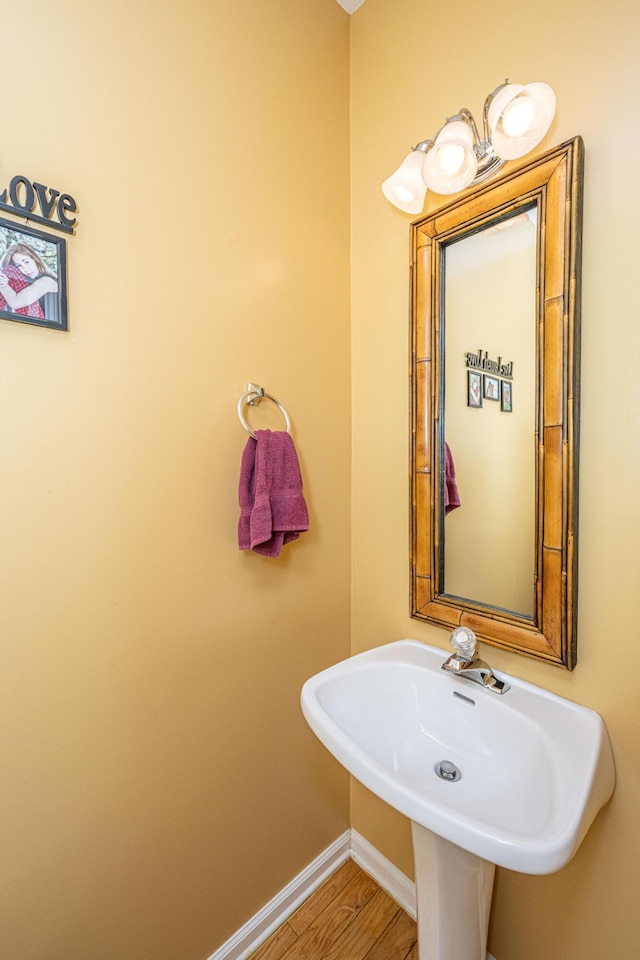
519,116
406,188
451,164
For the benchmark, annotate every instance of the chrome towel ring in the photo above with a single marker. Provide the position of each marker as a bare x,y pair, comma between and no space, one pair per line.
253,395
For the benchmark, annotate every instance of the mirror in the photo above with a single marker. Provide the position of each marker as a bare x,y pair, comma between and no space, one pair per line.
489,418
495,377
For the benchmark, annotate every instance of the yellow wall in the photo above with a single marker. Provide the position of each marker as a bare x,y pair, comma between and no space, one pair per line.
158,783
413,64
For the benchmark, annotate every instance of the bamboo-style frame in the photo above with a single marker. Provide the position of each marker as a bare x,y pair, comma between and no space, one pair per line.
554,182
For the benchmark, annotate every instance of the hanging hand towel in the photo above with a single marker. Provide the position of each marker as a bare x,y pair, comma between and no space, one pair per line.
273,511
246,493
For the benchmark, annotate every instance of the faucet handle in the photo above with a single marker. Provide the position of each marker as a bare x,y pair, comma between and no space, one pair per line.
463,641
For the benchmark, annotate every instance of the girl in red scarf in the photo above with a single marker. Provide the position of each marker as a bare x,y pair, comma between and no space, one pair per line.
24,282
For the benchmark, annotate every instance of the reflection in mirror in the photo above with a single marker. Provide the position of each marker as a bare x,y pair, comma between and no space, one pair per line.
489,421
494,409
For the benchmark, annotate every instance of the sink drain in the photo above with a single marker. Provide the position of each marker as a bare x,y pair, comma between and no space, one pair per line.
447,770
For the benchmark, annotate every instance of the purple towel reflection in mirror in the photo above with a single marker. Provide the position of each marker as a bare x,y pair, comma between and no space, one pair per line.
451,495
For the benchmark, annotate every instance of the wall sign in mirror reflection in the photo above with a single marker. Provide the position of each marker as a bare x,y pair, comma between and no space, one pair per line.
482,361
492,387
500,267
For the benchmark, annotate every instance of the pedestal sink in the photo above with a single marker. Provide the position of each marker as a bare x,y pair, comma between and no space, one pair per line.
513,780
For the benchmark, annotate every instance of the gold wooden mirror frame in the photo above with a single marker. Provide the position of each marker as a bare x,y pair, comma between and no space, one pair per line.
553,182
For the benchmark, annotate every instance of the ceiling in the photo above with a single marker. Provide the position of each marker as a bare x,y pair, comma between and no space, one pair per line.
350,5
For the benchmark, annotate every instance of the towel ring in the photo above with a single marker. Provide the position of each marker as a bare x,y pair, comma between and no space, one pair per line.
254,394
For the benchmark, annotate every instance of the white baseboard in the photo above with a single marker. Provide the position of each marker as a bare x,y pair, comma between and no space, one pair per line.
386,875
351,844
260,927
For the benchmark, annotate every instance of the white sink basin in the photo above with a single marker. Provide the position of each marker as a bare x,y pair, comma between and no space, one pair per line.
535,768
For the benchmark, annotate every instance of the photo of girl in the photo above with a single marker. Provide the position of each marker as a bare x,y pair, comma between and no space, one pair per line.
29,277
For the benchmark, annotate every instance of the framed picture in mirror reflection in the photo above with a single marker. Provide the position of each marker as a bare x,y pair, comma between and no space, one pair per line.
491,388
474,389
506,396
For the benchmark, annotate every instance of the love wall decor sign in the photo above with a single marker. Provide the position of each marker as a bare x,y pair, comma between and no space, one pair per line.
33,263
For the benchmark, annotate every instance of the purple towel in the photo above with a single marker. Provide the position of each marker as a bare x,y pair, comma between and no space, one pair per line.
451,495
272,506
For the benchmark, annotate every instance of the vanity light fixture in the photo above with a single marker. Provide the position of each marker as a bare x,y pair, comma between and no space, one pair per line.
515,118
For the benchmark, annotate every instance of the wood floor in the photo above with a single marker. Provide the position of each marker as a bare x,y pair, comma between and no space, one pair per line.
348,918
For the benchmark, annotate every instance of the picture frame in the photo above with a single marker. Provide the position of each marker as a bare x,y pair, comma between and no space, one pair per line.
491,387
506,396
474,389
33,276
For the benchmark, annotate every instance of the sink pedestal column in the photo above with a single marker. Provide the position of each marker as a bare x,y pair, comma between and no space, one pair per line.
453,891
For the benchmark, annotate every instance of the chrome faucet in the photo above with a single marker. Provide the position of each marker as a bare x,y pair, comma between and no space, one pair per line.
465,663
